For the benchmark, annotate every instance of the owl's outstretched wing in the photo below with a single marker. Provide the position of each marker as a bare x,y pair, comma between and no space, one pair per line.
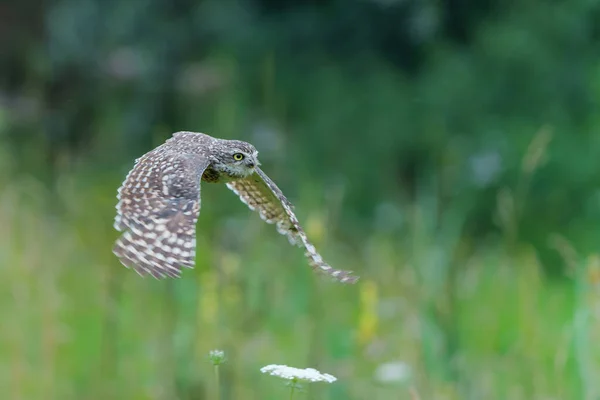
261,194
159,204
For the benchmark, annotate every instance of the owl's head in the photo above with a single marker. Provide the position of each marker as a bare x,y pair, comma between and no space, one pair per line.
236,158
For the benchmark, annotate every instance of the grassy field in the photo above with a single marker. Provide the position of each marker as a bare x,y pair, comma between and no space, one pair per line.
460,139
465,320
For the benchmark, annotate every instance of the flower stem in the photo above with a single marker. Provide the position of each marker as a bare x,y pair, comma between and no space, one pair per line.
293,384
217,383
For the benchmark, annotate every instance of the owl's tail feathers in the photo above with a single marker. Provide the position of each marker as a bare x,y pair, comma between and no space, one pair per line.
159,254
318,264
339,275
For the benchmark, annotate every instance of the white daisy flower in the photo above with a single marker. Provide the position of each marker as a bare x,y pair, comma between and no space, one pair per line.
395,371
297,374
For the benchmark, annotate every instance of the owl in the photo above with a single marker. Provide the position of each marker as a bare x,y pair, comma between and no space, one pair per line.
159,203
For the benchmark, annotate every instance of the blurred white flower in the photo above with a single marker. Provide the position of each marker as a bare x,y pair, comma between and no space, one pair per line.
485,167
392,372
217,357
297,374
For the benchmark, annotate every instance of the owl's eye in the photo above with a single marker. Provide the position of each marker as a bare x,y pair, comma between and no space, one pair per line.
238,156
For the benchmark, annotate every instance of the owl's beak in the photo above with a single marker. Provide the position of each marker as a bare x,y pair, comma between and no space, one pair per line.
252,162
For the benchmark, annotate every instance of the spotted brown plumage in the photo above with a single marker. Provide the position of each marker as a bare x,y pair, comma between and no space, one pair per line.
159,203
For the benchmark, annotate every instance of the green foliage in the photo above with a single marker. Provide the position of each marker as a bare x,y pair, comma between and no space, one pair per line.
445,151
486,325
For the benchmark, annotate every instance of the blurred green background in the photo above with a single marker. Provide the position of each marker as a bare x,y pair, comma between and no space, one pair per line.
447,151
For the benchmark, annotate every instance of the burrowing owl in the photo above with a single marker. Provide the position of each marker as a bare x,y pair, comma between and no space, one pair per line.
159,203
